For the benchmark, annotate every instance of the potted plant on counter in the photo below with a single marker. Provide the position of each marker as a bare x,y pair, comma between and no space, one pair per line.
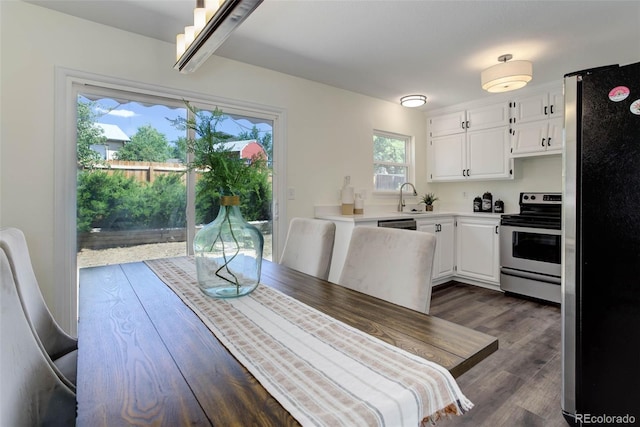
428,200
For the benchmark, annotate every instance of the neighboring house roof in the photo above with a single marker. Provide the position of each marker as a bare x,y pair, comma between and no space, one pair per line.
113,132
247,149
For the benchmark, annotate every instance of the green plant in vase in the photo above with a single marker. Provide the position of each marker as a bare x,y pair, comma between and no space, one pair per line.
228,250
428,200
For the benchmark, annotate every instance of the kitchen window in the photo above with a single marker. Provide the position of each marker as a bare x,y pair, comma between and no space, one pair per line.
392,161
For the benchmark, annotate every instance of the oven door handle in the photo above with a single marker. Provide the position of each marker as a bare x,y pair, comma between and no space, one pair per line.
530,275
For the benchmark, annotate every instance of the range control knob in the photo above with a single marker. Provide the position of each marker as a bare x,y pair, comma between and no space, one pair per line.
533,197
526,197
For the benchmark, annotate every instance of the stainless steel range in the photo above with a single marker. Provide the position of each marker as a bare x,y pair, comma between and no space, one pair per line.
531,247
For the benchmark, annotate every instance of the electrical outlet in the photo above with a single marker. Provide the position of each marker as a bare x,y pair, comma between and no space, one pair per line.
291,193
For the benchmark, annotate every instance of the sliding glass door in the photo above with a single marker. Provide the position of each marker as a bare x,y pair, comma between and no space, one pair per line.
136,196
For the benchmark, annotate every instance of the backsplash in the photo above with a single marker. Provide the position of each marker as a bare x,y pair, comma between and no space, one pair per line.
531,174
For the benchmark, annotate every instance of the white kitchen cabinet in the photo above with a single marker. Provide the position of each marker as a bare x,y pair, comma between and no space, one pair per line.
447,158
473,119
478,253
537,138
448,124
483,154
488,116
444,257
470,144
537,123
541,106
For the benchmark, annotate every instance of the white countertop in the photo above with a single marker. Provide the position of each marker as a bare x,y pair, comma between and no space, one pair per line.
377,214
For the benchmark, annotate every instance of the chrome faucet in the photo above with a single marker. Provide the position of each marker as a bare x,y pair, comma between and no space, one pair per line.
401,202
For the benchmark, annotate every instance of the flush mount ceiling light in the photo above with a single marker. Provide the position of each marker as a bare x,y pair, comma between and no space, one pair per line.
213,22
507,75
413,100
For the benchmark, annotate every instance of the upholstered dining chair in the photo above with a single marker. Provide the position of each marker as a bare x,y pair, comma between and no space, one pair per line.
60,347
309,246
32,393
391,264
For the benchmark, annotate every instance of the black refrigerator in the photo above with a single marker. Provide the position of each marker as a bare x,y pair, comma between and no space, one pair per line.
601,247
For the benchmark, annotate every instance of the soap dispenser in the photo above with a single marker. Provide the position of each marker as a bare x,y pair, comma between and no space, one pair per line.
347,197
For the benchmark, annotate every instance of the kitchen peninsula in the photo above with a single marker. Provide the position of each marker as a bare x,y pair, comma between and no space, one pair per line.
467,242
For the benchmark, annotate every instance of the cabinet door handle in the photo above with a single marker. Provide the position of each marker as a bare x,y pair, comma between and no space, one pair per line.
497,229
468,174
462,125
549,142
463,172
545,110
467,122
543,141
551,109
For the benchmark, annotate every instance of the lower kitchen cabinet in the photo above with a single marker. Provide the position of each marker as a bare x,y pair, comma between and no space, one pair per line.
478,253
444,257
466,248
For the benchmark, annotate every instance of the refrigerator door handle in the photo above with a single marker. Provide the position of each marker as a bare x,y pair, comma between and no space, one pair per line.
569,234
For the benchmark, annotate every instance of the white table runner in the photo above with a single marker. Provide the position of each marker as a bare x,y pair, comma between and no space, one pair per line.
324,372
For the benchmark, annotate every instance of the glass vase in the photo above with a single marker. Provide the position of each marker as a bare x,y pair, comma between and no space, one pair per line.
228,253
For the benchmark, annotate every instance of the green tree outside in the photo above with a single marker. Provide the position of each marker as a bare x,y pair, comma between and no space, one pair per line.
88,134
147,145
110,201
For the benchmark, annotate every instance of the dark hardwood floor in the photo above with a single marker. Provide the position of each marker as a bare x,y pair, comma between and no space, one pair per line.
520,384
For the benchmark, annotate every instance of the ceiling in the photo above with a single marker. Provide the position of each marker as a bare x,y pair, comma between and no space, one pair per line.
388,49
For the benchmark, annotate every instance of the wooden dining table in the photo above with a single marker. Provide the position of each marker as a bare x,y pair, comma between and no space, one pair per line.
145,358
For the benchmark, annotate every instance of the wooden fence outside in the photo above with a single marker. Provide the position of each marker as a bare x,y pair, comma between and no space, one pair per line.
143,171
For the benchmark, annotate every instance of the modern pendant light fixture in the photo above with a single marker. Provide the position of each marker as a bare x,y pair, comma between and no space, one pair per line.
213,22
507,75
413,101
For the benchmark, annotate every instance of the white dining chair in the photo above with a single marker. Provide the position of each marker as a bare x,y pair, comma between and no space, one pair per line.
391,264
32,393
309,246
59,346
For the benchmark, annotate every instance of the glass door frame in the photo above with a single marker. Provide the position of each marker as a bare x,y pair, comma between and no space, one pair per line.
68,84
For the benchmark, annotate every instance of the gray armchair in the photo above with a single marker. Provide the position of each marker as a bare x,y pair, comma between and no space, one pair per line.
32,393
309,246
391,264
59,346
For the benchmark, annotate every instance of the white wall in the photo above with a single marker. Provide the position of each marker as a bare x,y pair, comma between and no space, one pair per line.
328,131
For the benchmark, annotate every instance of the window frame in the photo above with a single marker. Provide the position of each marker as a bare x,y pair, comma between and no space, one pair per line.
409,159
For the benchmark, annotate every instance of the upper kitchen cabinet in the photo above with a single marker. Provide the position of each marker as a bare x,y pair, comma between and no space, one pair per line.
448,124
537,123
472,144
541,106
537,138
